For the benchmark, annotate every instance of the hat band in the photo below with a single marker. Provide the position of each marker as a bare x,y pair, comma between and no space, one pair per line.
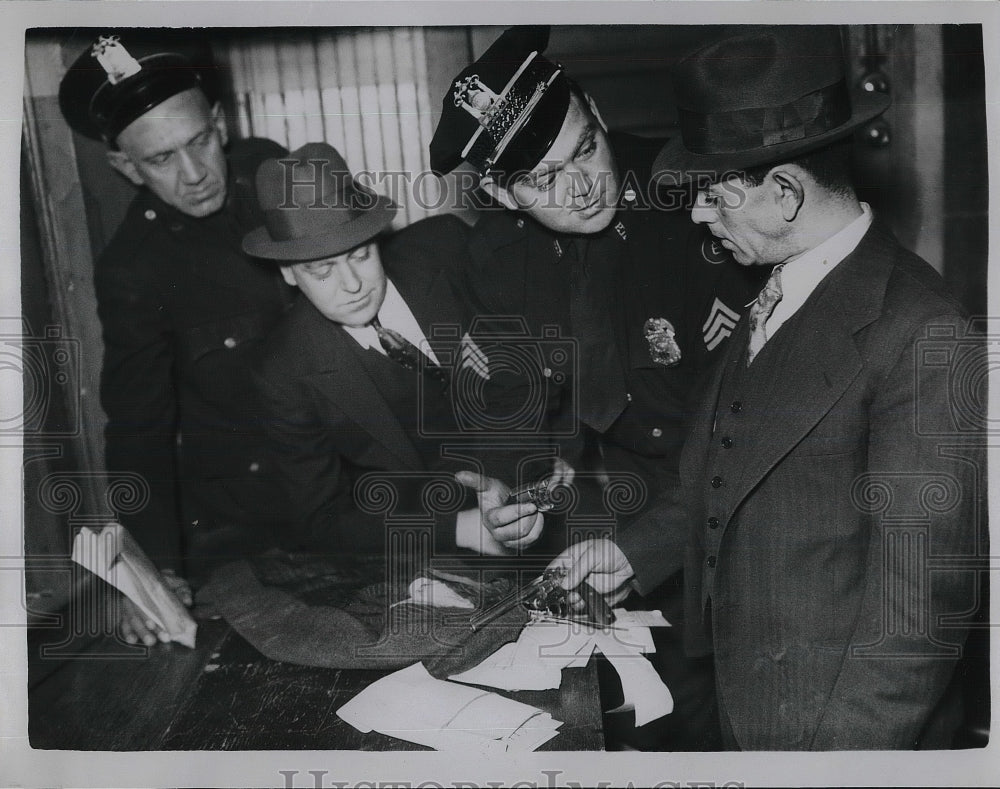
810,115
290,224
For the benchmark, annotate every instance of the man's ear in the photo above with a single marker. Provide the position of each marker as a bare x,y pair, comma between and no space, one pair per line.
288,276
121,161
219,121
789,190
497,192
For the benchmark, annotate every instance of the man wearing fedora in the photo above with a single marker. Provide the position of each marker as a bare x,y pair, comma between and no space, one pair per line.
579,238
182,308
815,476
357,377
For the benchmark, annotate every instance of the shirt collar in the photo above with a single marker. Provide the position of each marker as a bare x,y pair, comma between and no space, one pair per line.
801,275
394,314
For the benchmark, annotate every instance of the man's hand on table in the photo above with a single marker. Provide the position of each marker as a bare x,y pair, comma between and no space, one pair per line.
134,626
601,564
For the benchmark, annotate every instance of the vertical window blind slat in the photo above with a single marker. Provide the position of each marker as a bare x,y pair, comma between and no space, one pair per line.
363,91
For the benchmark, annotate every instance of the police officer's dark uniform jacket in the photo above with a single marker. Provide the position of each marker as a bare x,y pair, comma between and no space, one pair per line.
183,310
665,268
502,115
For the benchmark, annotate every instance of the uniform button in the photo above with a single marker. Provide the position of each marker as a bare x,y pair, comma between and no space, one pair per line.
713,523
229,342
712,561
736,407
656,432
520,224
628,396
547,372
629,195
727,442
716,482
254,467
150,214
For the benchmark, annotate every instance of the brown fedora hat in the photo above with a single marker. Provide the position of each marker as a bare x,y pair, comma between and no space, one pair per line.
762,96
313,208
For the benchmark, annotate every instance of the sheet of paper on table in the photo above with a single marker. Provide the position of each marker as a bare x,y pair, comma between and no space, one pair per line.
545,647
114,556
412,705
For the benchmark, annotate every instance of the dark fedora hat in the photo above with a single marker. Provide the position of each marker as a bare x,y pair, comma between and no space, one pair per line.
122,74
313,207
762,96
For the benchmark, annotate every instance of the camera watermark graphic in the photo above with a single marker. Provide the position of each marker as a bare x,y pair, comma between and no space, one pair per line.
504,379
48,364
969,356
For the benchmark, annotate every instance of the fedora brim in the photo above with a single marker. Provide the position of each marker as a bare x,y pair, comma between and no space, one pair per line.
342,238
675,164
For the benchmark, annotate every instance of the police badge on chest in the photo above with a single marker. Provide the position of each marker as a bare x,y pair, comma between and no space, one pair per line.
663,347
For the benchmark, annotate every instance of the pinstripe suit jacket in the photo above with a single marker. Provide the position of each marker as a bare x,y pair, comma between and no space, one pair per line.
848,476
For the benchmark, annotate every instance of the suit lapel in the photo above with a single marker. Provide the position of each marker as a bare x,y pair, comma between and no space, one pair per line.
821,363
343,379
430,295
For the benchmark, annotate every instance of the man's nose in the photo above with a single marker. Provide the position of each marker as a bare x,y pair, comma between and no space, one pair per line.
703,211
581,182
349,279
192,169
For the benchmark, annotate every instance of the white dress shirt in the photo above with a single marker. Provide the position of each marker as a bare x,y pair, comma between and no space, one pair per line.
394,314
800,276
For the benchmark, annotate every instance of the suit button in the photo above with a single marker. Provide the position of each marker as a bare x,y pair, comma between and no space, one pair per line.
656,432
716,482
229,342
736,407
727,442
712,561
713,523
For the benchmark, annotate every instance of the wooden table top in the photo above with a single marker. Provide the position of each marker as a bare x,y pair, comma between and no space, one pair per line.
96,693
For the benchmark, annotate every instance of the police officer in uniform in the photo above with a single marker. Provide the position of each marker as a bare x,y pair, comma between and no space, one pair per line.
182,308
588,244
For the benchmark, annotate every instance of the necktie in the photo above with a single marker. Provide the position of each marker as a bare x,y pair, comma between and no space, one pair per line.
601,393
404,352
761,311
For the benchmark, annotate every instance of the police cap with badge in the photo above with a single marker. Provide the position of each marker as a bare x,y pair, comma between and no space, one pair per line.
121,75
502,113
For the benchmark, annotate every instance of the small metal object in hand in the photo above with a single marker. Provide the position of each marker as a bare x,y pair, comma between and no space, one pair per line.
538,493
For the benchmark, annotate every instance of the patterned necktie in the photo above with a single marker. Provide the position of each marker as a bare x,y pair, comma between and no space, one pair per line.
761,311
404,352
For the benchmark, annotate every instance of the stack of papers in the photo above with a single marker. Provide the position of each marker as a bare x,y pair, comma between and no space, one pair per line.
545,647
412,705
